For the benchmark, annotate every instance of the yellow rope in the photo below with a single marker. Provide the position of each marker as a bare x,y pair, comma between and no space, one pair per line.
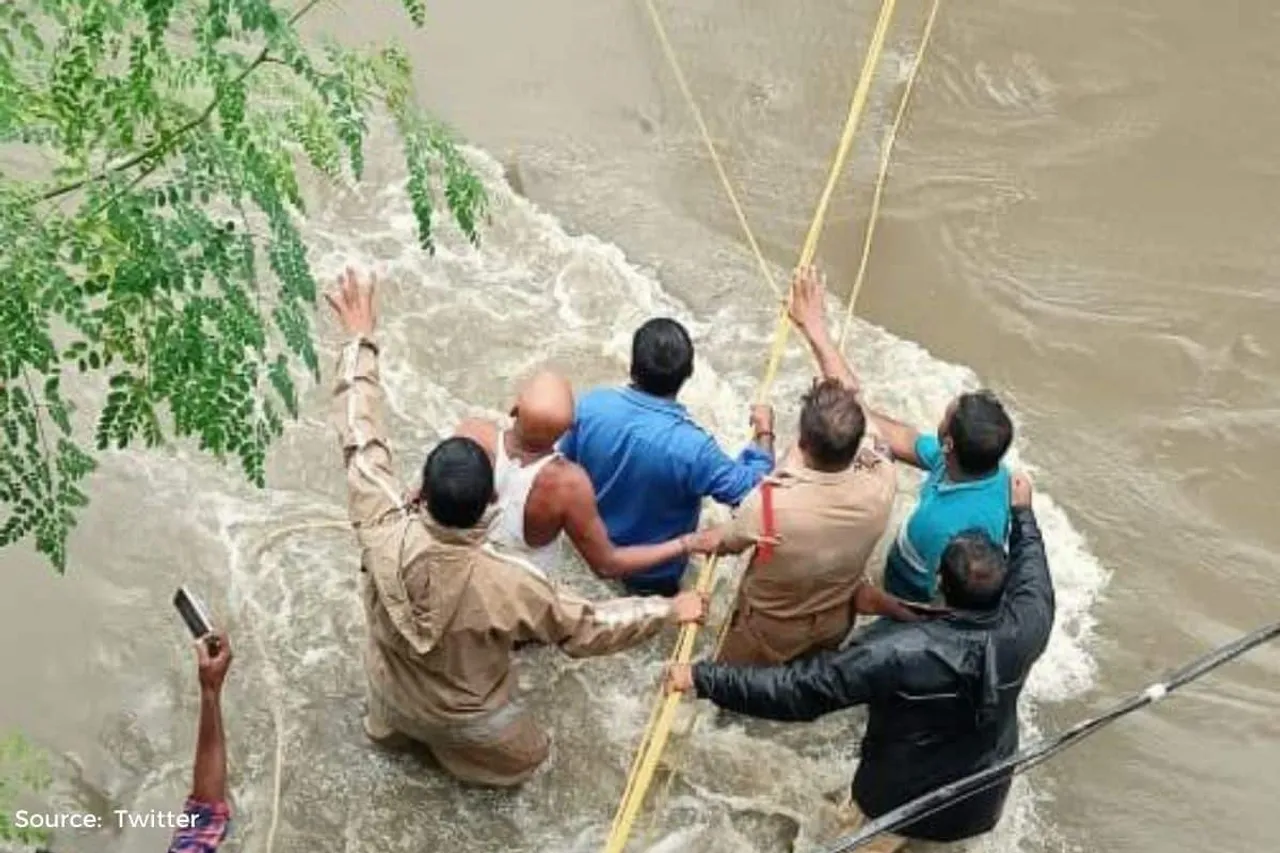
886,153
657,734
678,73
856,105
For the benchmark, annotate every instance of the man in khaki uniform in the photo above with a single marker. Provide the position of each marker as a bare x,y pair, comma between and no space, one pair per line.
827,507
444,611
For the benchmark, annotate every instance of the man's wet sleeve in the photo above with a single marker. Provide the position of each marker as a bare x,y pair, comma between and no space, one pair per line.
359,413
725,480
802,690
1029,595
929,451
542,612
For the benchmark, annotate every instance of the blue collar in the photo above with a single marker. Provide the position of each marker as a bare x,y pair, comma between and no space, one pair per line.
659,404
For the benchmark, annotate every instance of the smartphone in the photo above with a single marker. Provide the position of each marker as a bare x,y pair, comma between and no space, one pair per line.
196,617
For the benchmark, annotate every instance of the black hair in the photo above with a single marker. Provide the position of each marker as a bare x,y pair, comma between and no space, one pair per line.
457,482
980,431
661,357
972,571
832,424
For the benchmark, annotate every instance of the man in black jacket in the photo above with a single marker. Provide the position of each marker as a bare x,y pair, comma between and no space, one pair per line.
942,694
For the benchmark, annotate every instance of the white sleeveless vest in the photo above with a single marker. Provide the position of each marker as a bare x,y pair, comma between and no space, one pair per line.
512,483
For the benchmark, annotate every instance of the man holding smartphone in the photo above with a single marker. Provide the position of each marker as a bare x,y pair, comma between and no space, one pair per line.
206,811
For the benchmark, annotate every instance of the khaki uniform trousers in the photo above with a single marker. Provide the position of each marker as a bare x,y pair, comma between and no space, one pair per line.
502,751
756,639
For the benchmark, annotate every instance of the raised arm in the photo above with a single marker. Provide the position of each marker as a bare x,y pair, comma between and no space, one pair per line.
374,494
1028,595
209,782
808,311
799,691
207,812
587,532
807,308
903,439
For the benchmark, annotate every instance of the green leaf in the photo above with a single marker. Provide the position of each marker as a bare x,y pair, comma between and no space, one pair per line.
417,10
31,36
23,770
165,258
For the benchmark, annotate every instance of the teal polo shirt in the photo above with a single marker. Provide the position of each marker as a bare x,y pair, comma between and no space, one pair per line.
945,509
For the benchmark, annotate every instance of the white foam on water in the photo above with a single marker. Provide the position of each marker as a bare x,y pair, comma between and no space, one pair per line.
458,330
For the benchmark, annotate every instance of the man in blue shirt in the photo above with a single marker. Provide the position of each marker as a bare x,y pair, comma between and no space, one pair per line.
650,463
966,488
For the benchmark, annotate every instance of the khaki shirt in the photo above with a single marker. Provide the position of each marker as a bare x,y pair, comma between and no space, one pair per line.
828,523
444,610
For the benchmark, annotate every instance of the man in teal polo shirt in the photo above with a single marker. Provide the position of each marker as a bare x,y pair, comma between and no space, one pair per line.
966,488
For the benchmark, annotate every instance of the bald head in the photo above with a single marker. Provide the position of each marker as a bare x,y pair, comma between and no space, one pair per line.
543,410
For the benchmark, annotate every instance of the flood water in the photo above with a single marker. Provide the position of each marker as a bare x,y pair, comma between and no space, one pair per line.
1081,215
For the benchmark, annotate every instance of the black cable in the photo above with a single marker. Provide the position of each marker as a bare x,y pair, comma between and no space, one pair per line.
1042,751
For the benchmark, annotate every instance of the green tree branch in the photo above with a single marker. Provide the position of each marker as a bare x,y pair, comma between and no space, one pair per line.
165,144
176,275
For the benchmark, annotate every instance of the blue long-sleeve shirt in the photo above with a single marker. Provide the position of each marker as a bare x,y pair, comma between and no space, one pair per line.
651,466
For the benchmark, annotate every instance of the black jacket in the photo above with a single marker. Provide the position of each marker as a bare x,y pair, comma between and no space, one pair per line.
942,694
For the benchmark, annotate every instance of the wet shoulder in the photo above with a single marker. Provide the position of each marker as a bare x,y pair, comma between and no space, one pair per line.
641,418
598,398
945,637
604,402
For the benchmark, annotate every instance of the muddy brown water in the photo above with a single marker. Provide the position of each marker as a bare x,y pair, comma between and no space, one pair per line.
1081,215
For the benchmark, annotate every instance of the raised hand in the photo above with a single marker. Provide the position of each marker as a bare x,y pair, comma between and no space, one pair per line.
808,305
353,303
213,655
1020,490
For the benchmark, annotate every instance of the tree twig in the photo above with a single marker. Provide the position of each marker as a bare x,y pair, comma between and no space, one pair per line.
44,441
165,144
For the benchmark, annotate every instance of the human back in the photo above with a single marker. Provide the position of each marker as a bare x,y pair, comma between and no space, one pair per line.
527,519
957,681
650,464
627,457
934,727
827,507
